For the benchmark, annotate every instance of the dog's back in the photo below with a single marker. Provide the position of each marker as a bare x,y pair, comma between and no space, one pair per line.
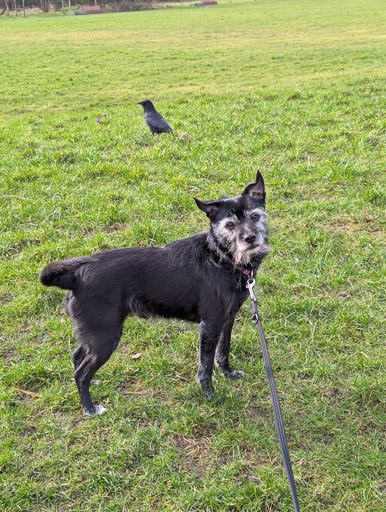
177,280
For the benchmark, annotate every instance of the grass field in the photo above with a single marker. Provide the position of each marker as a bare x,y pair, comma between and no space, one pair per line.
293,88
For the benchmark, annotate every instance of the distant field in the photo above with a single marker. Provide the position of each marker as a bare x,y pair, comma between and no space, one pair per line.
293,88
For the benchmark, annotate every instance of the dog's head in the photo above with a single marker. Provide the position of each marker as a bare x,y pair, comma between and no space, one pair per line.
239,224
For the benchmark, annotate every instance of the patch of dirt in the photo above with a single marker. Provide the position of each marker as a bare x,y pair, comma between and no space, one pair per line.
351,227
10,354
80,420
136,388
6,297
115,228
344,295
255,458
343,226
196,453
197,456
28,432
335,392
256,412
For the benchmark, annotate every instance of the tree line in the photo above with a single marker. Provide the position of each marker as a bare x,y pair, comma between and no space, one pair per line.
13,6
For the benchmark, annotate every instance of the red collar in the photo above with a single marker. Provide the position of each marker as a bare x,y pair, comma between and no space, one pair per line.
244,270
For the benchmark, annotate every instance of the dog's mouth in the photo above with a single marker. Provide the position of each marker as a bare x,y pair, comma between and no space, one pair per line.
244,256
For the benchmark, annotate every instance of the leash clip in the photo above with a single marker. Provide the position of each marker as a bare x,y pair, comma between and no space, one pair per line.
250,285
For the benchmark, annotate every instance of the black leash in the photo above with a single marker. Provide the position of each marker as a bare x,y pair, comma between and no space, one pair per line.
274,396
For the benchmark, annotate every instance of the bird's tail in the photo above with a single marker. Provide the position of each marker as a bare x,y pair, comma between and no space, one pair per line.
63,273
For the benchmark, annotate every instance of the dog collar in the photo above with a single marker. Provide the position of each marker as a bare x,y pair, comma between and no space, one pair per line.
218,259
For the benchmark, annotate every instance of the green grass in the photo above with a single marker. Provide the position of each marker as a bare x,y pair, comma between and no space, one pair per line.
294,88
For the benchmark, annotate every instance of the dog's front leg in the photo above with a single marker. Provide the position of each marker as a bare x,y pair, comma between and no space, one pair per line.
209,336
222,351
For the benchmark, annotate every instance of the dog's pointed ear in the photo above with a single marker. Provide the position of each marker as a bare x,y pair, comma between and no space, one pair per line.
209,207
256,190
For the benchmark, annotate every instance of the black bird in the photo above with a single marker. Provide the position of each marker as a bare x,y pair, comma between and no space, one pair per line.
154,120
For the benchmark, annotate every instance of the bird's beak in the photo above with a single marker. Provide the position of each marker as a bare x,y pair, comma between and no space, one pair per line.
140,103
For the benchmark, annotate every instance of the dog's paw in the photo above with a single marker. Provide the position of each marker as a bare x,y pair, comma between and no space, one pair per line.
98,410
234,375
207,389
229,374
209,393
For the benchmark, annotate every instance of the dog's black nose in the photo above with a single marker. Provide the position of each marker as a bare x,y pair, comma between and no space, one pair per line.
250,238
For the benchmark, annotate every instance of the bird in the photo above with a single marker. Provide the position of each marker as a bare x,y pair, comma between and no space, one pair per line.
155,122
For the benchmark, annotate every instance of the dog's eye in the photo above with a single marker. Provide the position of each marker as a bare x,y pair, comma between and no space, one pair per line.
230,225
255,216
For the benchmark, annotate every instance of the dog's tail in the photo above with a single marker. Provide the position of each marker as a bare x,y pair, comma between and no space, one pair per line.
63,273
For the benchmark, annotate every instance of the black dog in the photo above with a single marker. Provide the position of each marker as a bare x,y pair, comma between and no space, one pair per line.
199,279
155,122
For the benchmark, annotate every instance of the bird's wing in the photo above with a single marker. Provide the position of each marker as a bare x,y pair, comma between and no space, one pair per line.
155,120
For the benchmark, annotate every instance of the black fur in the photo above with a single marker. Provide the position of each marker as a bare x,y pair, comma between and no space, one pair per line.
198,279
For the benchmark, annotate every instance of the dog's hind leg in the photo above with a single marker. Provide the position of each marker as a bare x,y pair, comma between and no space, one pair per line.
209,337
222,351
87,360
